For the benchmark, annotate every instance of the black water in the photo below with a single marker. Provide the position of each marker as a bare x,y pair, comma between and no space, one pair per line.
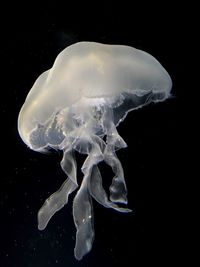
31,38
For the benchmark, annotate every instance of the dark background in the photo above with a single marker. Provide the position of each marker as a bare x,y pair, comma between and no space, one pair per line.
31,38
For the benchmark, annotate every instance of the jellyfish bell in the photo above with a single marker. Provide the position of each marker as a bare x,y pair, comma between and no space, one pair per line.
77,105
97,73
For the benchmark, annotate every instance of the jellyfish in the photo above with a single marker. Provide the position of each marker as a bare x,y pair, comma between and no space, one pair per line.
77,106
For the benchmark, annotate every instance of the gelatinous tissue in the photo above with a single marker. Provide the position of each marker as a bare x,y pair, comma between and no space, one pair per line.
76,106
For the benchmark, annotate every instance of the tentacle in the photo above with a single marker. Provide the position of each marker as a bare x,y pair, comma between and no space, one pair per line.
113,139
82,206
99,194
60,198
118,191
83,219
68,165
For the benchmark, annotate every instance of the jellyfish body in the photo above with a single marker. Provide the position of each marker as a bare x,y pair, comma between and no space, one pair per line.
77,105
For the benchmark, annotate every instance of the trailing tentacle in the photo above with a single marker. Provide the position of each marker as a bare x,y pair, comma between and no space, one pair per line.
60,198
82,206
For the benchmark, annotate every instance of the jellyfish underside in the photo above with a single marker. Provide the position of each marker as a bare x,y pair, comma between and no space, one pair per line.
72,129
